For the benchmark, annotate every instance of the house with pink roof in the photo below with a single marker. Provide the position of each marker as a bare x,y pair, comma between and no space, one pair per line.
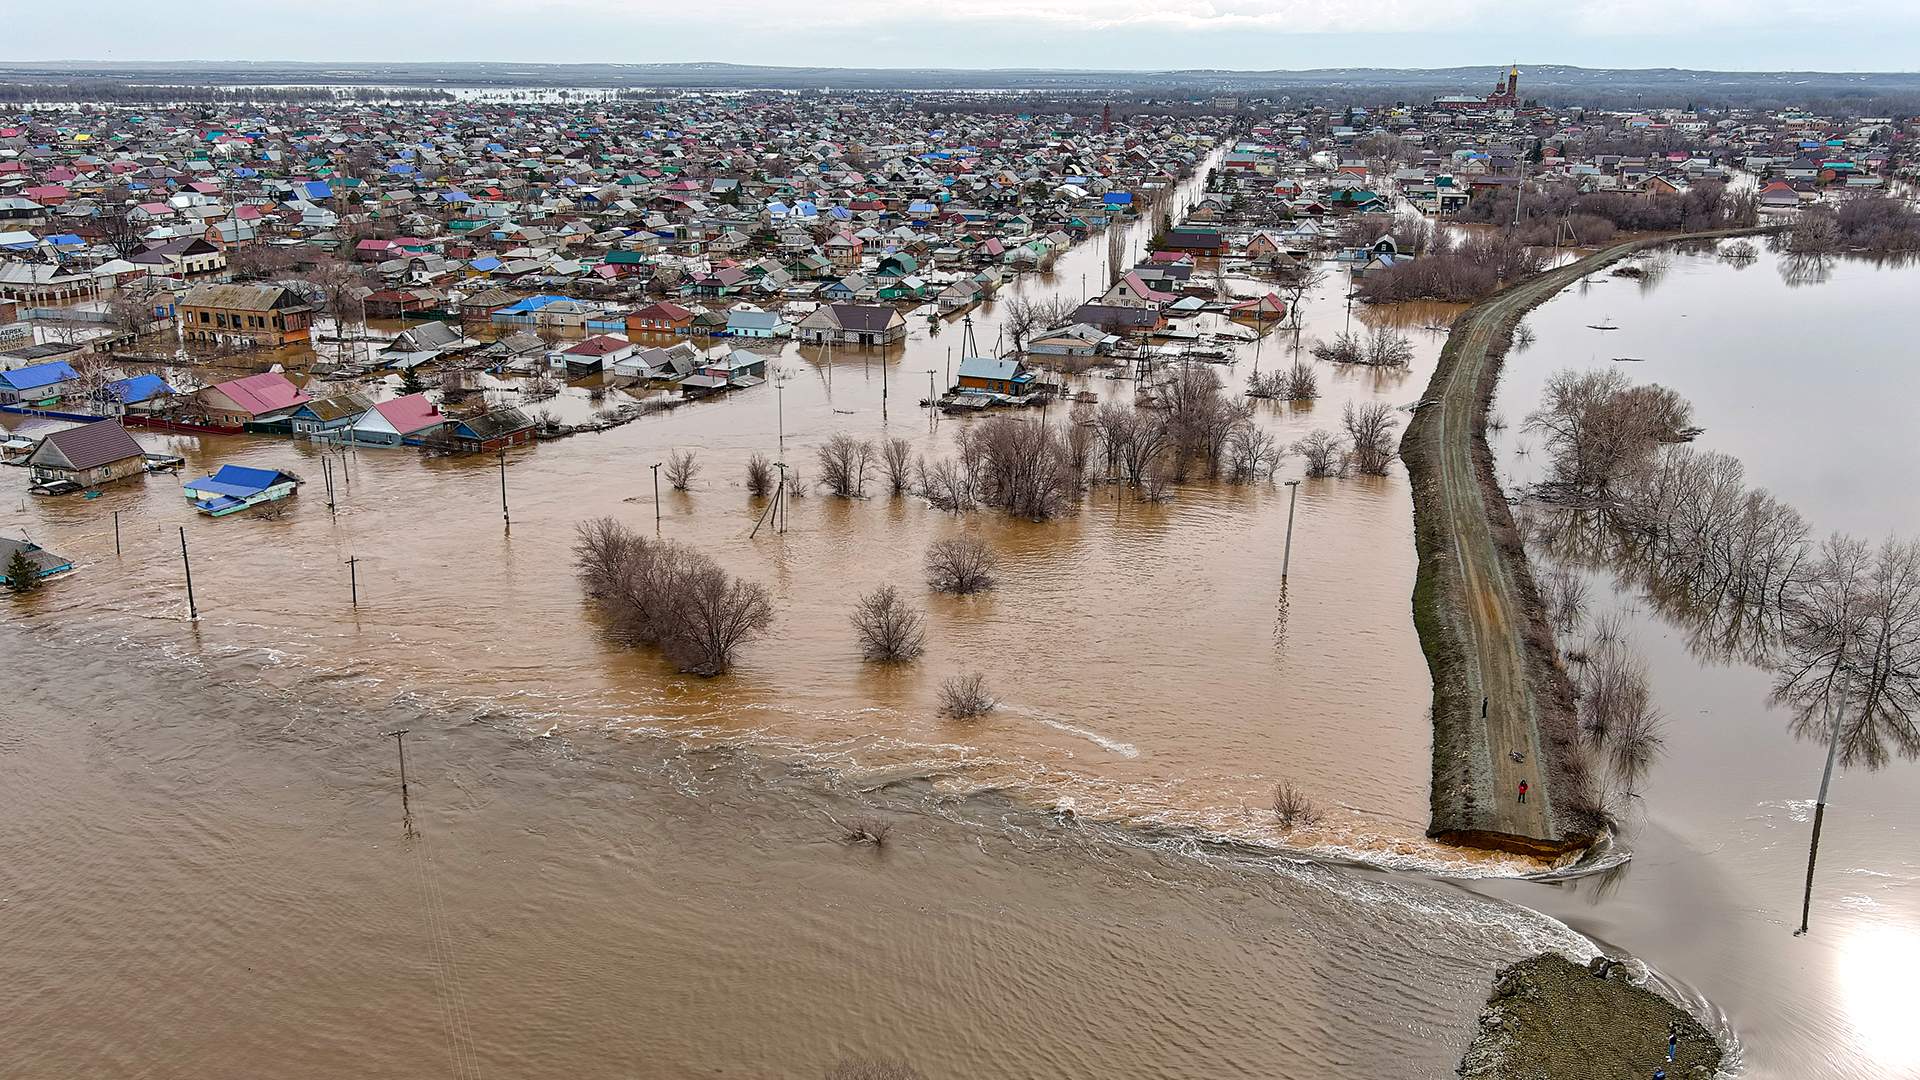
252,399
402,421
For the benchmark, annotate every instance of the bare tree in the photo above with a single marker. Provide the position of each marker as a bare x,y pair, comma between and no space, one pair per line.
1021,467
681,468
1324,453
1252,454
1292,809
671,596
896,458
844,465
960,565
1301,281
1370,431
946,485
889,631
965,696
1601,429
759,475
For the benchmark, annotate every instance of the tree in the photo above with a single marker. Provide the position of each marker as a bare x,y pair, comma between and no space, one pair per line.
1291,807
896,458
1370,431
1325,455
668,595
844,464
1301,281
965,696
888,630
681,467
759,475
22,575
959,565
1024,468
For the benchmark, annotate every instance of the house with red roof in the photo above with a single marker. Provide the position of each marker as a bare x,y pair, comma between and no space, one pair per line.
665,317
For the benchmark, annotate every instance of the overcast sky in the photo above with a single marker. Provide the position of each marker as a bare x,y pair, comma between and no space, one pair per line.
1830,35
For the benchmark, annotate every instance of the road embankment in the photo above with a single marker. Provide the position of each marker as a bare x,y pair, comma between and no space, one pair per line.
1503,706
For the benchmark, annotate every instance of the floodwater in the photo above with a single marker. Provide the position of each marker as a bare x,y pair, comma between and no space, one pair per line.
1797,379
623,871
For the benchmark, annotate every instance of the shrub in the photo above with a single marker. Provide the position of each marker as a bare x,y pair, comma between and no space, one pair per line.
959,565
889,630
965,696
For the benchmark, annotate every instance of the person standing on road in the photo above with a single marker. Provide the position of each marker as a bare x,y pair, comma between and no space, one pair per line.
1523,791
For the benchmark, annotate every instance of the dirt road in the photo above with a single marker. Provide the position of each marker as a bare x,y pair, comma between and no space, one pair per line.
1498,689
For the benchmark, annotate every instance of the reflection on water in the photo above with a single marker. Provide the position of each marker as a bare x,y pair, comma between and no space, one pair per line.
1795,383
1876,971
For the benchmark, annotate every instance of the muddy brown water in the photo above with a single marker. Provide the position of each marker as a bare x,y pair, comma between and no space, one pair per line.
622,871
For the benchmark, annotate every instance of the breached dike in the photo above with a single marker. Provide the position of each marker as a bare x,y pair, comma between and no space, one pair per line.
1552,1019
1503,706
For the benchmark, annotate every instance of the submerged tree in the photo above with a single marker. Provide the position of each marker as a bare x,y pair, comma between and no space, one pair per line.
889,631
668,595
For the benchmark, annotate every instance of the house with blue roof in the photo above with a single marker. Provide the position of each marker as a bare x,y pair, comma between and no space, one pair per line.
994,375
755,323
235,487
37,383
141,393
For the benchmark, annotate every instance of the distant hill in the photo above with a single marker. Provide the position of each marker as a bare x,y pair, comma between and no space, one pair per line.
1551,82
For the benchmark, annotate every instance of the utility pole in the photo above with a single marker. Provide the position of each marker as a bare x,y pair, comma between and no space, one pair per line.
193,611
116,532
931,396
656,498
883,387
780,500
326,469
1820,809
780,413
353,577
505,514
1286,556
399,737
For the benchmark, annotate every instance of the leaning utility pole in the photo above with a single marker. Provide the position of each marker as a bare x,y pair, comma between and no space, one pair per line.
399,737
1286,556
193,612
1820,809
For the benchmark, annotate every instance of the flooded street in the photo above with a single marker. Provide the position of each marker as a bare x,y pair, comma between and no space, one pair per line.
625,871
1149,668
1794,380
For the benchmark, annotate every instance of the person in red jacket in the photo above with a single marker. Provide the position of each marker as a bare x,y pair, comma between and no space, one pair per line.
1523,791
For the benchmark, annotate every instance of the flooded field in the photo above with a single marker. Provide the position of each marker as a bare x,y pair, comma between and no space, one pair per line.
1791,377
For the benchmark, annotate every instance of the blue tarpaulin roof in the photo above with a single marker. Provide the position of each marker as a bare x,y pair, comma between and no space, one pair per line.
238,481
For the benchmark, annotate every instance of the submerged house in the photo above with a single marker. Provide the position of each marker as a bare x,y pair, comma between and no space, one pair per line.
37,383
235,487
994,375
329,417
267,398
404,421
487,432
45,563
96,453
853,324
